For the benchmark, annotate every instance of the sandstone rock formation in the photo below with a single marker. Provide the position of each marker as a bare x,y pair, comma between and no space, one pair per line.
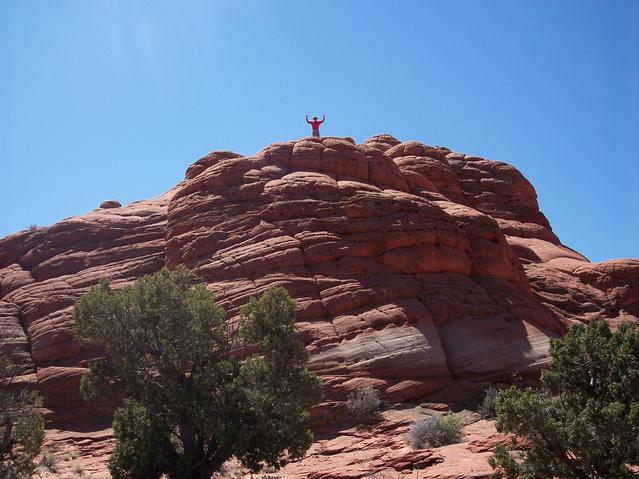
110,204
381,450
416,269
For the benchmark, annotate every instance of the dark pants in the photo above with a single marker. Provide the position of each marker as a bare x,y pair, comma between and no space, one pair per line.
316,132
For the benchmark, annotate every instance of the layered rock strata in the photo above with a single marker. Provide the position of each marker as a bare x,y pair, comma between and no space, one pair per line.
416,269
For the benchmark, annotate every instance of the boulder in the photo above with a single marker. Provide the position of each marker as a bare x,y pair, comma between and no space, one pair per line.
110,204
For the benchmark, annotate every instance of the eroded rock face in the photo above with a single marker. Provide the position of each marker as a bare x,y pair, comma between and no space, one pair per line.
416,269
381,450
43,272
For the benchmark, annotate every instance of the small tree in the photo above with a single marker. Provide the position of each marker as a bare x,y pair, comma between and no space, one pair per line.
191,403
585,421
21,425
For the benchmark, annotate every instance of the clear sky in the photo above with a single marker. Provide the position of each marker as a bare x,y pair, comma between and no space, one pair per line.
113,99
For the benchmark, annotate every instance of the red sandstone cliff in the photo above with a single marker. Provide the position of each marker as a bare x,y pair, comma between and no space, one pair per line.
416,269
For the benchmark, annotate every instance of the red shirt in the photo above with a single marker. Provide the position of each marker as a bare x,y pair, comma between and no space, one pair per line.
315,123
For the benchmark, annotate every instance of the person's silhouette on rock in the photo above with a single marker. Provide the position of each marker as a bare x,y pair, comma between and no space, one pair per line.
315,124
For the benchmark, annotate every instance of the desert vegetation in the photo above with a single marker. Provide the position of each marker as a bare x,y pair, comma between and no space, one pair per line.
584,422
48,461
434,431
364,403
21,425
196,392
488,404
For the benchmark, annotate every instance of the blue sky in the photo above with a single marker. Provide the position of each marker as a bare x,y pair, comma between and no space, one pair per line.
109,99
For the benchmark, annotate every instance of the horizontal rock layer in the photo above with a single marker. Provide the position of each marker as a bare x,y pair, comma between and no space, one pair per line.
415,268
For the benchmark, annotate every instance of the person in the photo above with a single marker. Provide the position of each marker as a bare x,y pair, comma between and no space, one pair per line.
315,124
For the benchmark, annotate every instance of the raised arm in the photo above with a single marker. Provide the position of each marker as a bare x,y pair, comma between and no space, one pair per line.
323,118
307,120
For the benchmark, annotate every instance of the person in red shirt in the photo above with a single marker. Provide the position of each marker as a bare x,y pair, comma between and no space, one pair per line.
315,124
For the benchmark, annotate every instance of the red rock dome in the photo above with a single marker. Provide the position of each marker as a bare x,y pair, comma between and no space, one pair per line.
416,269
